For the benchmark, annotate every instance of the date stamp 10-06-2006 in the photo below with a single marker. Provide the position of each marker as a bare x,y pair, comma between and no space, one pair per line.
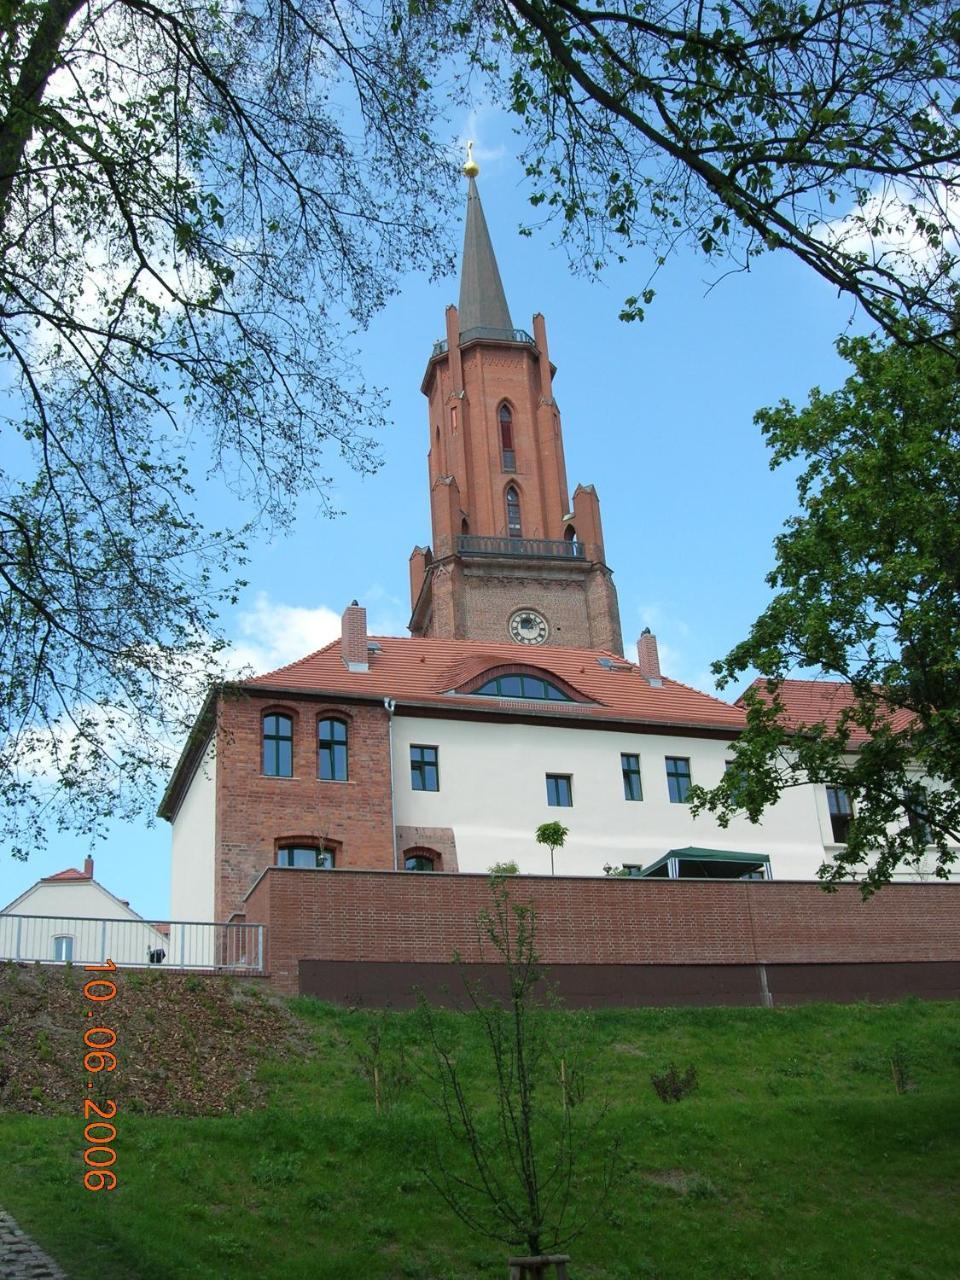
99,1042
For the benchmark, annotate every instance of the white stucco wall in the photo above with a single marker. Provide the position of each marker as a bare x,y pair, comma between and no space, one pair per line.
82,898
493,794
194,833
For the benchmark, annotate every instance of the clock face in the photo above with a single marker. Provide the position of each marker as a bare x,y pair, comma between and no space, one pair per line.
528,627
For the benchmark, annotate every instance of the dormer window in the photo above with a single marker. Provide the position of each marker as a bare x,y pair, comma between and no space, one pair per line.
508,458
513,513
523,686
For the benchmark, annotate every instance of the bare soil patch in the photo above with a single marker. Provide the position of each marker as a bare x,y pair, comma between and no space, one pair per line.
186,1044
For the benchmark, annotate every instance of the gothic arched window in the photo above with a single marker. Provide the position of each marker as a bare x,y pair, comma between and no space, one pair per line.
508,457
513,513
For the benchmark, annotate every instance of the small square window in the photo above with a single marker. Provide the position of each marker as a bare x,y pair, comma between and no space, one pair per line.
560,790
63,948
678,778
630,766
424,769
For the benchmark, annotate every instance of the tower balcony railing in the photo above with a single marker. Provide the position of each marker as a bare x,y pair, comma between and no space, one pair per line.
491,335
538,548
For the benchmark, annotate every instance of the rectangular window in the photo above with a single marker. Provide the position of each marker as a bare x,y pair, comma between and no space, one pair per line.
560,789
332,744
735,783
841,811
915,804
678,778
424,770
277,746
63,948
632,790
305,856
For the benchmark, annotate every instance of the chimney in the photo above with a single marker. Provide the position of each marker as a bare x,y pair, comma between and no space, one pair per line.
648,659
353,637
88,867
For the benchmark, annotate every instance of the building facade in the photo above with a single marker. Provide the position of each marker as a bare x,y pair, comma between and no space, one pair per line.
509,705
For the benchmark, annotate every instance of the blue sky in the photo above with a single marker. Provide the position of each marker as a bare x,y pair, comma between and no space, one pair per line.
657,415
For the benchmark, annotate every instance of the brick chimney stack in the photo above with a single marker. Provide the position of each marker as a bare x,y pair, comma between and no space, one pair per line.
88,867
353,638
648,659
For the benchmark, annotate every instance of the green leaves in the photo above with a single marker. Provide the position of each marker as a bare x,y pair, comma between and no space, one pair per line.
173,264
740,131
868,592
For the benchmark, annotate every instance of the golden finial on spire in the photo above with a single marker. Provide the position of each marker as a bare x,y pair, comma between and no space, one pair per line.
471,168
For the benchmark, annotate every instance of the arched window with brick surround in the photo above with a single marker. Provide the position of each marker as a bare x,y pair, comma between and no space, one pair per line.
514,528
332,739
508,456
421,859
306,857
277,753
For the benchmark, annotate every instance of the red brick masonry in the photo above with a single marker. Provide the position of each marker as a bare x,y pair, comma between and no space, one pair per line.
422,918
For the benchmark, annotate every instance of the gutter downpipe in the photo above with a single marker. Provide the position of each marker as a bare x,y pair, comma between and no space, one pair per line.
390,705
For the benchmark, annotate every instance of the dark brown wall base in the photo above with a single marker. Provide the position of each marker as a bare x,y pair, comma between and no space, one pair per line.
396,985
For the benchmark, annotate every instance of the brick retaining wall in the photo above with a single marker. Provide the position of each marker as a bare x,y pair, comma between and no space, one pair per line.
423,918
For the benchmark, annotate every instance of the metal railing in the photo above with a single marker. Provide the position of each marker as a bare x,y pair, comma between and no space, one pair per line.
487,333
540,548
169,944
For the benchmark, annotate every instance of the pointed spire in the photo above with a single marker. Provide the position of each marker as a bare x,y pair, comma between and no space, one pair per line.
483,304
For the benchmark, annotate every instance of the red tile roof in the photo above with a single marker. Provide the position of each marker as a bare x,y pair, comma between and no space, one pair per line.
429,671
812,702
69,874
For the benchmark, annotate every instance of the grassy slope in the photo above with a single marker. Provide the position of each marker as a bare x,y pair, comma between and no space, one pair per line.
796,1158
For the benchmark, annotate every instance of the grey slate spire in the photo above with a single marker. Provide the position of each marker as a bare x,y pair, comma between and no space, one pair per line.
483,304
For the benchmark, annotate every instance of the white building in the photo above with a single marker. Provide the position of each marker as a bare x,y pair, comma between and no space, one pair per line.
71,917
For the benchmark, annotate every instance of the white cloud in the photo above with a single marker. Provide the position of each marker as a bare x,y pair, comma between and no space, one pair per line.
271,634
481,119
885,228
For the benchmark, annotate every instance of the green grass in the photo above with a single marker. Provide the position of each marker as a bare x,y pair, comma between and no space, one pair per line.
796,1158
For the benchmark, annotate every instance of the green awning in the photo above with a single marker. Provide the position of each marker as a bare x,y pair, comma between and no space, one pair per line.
706,864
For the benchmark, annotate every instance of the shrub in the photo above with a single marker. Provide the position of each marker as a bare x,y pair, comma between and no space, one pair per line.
900,1068
510,868
671,1086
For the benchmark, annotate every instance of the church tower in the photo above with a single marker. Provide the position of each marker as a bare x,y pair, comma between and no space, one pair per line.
511,558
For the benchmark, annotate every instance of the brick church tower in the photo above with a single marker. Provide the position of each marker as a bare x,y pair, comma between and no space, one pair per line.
511,558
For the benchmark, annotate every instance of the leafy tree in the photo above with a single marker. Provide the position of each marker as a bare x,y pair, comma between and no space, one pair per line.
829,131
553,835
867,585
198,204
522,1176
